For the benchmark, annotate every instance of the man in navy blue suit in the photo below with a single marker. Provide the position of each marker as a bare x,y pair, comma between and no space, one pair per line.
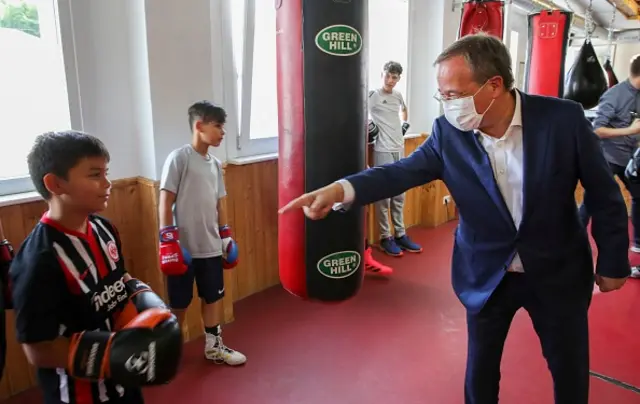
511,162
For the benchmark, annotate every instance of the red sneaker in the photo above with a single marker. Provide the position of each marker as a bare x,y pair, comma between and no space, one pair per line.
372,266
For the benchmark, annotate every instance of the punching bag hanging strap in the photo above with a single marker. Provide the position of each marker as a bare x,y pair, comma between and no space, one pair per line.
611,75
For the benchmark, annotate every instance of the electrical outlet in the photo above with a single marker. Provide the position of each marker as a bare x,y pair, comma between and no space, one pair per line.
446,200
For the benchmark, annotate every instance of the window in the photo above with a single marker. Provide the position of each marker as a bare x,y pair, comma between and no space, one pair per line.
253,37
388,39
252,33
33,95
514,46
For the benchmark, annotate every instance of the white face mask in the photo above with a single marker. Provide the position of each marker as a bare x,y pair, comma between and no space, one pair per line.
462,114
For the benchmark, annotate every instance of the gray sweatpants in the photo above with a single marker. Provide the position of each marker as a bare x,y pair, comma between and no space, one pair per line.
397,202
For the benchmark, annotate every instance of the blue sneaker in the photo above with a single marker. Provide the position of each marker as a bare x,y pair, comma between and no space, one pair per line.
389,246
405,243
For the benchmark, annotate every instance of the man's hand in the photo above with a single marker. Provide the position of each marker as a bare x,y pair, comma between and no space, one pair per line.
609,284
317,204
635,126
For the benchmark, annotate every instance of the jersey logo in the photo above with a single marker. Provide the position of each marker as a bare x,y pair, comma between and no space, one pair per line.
113,251
110,296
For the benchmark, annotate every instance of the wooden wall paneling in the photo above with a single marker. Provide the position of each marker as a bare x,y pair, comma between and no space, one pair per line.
18,221
122,213
147,263
252,204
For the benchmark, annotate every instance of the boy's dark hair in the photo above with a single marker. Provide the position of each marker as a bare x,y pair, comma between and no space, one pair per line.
634,68
59,152
393,68
207,113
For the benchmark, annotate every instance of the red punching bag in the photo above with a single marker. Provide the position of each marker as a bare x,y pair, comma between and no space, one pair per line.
322,115
546,52
482,16
611,75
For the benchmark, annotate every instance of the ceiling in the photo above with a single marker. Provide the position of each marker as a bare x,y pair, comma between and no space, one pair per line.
602,11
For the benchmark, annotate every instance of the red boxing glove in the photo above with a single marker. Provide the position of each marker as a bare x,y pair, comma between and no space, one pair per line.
172,261
229,248
6,257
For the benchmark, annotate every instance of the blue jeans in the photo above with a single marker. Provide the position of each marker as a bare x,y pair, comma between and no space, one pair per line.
634,190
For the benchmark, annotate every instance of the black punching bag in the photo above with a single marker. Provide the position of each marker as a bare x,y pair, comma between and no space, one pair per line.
322,112
585,82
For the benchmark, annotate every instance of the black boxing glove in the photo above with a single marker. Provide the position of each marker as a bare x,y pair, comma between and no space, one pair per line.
372,132
146,352
405,128
140,298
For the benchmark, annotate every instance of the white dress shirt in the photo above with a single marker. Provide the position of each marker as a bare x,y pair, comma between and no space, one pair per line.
506,157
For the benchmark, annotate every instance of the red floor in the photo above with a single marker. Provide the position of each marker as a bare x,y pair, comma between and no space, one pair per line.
401,340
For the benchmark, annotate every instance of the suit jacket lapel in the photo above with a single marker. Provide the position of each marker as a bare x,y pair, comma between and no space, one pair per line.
535,141
482,167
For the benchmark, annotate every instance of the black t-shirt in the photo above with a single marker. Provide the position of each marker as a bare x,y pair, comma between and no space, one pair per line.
65,282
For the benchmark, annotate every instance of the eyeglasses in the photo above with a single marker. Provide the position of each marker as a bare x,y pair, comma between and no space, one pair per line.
441,97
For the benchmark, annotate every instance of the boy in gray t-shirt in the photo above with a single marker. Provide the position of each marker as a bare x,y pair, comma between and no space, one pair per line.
385,105
196,243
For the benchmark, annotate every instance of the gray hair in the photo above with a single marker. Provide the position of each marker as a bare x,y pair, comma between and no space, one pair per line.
486,56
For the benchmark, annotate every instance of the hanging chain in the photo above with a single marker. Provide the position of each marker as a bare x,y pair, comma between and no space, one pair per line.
589,25
610,36
571,10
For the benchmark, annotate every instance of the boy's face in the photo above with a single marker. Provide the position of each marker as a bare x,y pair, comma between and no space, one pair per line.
86,188
389,80
211,133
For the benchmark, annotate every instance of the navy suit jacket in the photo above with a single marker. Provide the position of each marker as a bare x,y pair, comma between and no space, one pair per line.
559,149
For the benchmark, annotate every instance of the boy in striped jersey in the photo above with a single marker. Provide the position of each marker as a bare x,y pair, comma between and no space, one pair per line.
72,295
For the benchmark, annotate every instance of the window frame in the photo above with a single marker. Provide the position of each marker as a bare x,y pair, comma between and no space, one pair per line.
63,22
240,145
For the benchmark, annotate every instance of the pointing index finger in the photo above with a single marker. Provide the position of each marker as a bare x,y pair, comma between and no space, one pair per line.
297,203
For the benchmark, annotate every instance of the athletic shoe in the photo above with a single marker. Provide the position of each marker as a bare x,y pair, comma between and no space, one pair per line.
635,272
216,351
389,247
405,243
371,266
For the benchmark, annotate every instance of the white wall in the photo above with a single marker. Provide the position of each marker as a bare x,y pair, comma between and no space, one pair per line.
622,58
96,46
137,65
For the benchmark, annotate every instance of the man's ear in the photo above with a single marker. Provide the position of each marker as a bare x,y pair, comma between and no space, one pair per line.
54,184
496,83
